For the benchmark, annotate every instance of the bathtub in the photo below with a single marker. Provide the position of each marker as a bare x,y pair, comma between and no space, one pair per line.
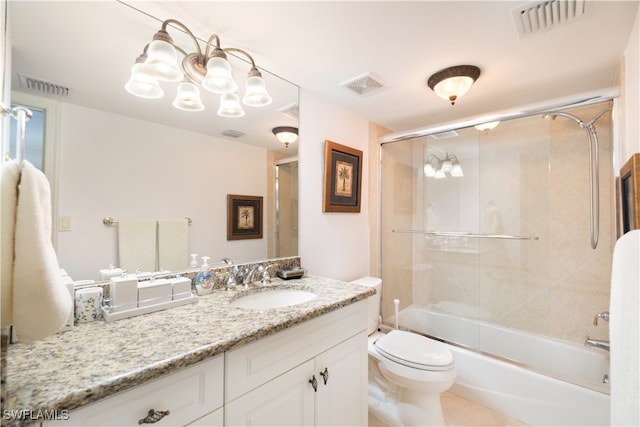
553,383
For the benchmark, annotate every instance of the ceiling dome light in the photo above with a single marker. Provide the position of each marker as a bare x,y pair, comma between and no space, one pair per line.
286,134
453,82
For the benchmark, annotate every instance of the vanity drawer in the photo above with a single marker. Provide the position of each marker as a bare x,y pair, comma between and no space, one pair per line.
188,395
255,364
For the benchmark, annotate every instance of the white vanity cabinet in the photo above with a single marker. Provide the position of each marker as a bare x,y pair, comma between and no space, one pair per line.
191,395
270,381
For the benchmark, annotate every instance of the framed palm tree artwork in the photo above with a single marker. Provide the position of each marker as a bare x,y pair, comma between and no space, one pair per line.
244,217
342,178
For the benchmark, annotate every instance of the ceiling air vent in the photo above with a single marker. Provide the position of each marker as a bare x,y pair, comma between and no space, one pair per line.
43,87
541,16
365,84
443,135
231,133
290,111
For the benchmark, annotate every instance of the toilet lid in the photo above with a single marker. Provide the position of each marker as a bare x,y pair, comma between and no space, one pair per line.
414,350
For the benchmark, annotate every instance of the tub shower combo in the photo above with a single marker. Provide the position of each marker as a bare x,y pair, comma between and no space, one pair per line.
489,246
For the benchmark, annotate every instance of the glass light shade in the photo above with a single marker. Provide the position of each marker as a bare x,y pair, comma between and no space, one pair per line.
162,56
188,97
142,84
439,174
255,94
230,106
453,87
219,78
429,170
456,170
286,137
446,166
487,126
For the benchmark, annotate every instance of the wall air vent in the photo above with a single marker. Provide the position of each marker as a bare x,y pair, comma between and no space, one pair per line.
232,133
541,16
365,84
43,87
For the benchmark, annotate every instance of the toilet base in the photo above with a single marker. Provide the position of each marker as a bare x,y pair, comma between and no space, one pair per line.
418,409
404,409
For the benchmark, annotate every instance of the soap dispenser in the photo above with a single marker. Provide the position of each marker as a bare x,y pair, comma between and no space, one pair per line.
204,279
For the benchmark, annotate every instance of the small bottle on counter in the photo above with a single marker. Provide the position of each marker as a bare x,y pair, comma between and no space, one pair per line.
204,279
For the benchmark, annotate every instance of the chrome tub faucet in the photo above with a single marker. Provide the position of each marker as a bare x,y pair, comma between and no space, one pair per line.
604,345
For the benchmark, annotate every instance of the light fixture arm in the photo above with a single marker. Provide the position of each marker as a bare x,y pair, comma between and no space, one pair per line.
249,57
163,31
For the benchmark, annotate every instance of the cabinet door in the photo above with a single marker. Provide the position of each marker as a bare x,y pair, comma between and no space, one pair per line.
342,401
285,401
213,419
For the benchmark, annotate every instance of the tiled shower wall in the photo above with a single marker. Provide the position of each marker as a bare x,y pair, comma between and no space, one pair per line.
528,177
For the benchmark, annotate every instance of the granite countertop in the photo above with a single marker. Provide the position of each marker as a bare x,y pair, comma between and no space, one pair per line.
94,360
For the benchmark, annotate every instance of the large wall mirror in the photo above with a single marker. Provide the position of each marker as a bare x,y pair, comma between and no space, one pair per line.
124,157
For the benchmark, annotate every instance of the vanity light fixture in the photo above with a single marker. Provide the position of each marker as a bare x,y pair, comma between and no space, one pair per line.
210,69
438,168
453,82
285,134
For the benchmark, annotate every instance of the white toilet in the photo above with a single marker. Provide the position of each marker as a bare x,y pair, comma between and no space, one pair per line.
407,372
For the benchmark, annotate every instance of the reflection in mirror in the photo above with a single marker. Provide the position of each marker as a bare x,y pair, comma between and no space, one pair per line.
129,158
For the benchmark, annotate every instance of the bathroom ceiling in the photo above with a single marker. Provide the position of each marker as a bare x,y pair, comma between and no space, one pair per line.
323,44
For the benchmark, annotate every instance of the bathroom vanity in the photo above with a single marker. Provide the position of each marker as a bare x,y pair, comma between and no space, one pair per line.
208,363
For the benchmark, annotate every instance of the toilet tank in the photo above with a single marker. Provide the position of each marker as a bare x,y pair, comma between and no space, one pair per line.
373,301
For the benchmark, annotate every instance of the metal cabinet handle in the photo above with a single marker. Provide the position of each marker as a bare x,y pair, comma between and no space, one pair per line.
325,375
314,383
153,417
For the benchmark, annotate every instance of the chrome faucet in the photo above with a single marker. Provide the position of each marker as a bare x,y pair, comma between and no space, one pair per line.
264,275
232,275
604,316
604,345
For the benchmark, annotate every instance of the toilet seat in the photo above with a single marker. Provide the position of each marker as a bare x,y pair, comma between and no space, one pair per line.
415,351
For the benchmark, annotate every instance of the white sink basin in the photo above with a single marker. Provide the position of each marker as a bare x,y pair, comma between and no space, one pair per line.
273,298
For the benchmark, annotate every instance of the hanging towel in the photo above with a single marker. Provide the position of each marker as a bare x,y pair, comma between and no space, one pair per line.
137,244
10,178
173,244
41,302
624,333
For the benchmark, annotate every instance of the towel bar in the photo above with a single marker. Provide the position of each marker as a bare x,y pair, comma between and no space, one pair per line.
108,221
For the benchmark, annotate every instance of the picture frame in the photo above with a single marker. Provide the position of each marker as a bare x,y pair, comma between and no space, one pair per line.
629,195
342,178
244,217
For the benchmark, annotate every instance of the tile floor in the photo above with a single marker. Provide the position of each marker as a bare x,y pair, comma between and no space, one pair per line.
461,412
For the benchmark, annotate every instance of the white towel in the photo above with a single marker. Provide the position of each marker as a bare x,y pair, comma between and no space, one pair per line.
624,330
41,302
10,178
137,244
173,244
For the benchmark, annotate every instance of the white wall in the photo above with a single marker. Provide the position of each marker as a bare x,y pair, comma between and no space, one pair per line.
112,165
631,95
334,245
